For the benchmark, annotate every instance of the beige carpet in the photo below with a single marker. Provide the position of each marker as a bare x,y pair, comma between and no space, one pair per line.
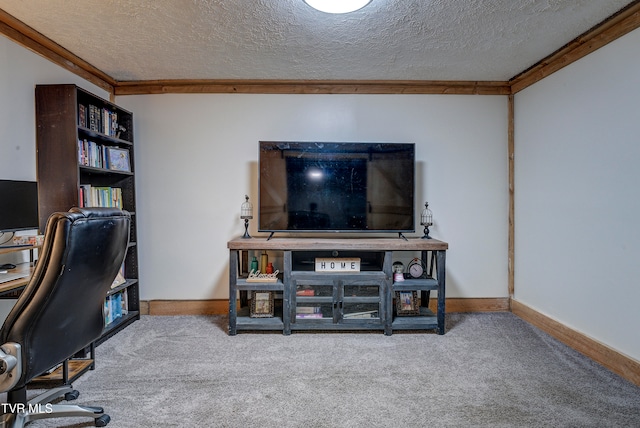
488,370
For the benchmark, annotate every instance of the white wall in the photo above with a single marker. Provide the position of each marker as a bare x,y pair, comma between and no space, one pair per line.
20,71
577,238
196,158
577,242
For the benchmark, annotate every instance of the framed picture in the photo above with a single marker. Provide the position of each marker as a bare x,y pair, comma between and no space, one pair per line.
262,304
118,159
407,303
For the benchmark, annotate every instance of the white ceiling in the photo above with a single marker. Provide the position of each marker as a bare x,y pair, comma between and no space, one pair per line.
482,40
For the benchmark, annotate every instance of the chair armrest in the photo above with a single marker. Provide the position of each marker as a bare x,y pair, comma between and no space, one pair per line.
10,365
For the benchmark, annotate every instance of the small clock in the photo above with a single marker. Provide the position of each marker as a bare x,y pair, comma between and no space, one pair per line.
416,268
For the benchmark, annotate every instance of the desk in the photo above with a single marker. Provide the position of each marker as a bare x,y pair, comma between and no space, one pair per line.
10,289
70,369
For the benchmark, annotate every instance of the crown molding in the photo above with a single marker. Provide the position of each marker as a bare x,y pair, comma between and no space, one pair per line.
607,31
311,87
36,42
614,27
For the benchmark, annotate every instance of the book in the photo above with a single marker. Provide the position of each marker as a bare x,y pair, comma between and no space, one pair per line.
93,119
361,315
119,279
107,311
115,306
306,292
82,115
125,302
307,309
308,316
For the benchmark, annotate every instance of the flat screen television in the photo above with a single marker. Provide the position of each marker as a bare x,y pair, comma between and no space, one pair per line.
18,205
336,187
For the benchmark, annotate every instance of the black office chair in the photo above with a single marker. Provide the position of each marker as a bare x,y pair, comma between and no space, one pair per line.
60,311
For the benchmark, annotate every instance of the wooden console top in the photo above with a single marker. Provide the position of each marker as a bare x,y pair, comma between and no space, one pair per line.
379,244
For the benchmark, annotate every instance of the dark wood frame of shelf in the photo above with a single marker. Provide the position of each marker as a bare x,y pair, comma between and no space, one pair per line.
60,174
427,320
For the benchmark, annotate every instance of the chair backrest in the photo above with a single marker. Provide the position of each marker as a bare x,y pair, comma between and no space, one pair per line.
61,309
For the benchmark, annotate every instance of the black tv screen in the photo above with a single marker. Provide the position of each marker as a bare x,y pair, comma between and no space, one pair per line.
336,187
18,205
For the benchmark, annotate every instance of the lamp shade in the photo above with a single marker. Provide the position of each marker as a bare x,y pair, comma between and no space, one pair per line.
337,6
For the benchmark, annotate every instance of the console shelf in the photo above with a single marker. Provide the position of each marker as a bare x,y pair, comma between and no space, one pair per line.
359,300
426,321
245,322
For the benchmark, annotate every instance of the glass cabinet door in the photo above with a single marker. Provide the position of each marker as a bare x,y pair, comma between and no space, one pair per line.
314,301
338,301
361,301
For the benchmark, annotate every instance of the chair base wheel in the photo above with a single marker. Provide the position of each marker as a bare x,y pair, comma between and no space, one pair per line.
102,421
73,395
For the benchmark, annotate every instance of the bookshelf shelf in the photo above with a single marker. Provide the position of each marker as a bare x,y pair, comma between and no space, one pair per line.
86,132
95,170
128,283
76,368
68,119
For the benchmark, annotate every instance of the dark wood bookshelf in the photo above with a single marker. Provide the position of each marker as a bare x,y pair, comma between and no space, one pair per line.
60,174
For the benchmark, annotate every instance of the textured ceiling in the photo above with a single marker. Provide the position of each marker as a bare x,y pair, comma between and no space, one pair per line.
486,40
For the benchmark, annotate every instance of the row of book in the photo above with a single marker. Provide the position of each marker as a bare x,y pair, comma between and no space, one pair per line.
98,119
305,312
94,196
354,315
315,312
115,306
91,153
97,155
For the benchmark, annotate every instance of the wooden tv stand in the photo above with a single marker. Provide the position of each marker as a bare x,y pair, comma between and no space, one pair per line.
306,299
